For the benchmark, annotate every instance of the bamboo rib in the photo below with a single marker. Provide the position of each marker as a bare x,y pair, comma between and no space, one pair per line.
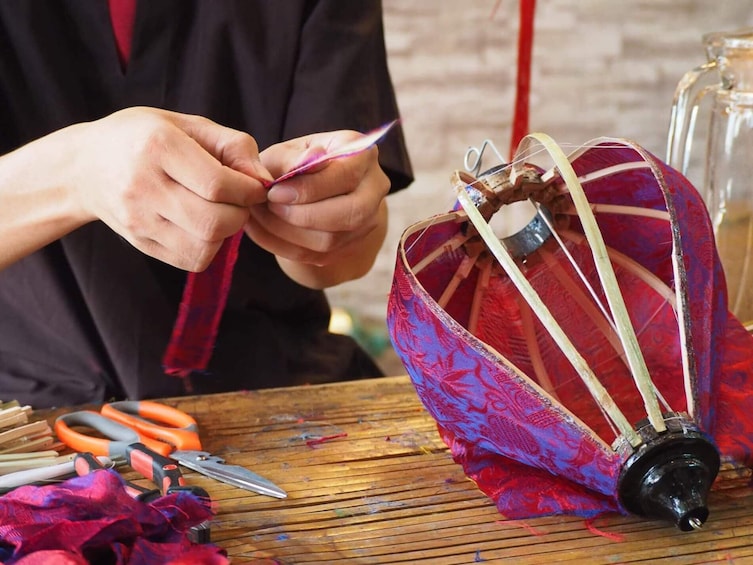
608,280
592,308
679,274
596,389
577,269
461,273
635,268
621,210
613,170
448,247
482,284
539,369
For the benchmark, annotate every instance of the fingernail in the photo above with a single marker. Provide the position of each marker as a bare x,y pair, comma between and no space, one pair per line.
263,174
282,194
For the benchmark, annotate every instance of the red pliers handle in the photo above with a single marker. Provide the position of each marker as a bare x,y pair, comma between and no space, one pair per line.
162,471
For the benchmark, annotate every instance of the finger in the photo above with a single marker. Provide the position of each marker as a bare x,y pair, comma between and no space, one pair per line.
287,156
318,241
281,247
288,247
205,221
171,244
340,176
313,160
339,213
191,259
184,160
236,149
335,145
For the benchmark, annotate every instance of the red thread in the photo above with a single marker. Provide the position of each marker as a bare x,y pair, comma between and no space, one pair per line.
609,535
495,8
530,529
317,441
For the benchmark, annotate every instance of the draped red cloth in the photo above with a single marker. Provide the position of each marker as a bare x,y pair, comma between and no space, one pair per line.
91,519
200,311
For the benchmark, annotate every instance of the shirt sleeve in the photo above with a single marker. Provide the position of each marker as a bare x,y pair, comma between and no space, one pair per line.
342,80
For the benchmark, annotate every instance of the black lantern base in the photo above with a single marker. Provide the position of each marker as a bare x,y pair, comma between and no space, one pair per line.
670,474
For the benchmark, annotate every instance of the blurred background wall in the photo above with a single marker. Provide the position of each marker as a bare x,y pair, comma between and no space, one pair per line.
600,68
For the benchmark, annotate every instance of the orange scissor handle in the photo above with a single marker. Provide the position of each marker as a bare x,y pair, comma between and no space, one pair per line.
158,421
117,436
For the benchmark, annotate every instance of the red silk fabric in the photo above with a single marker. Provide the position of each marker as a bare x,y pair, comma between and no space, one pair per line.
91,519
200,312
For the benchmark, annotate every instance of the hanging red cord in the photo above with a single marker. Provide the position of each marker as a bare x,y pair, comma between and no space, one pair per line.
523,84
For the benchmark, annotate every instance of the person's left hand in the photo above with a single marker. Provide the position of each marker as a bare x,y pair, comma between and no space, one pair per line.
325,226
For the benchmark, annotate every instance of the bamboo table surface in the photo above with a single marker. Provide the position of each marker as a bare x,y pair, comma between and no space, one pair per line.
370,481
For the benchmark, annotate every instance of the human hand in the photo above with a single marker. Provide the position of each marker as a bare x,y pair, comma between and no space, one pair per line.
173,185
326,225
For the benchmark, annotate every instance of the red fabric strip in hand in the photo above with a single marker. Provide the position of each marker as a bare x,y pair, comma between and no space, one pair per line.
204,297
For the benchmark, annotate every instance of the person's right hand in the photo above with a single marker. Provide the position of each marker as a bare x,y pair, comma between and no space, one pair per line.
173,185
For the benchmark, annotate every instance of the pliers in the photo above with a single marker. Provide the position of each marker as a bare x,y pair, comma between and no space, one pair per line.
163,472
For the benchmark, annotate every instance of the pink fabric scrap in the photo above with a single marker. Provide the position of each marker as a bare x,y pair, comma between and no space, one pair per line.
91,519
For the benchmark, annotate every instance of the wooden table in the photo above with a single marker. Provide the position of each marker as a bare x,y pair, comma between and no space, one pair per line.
369,481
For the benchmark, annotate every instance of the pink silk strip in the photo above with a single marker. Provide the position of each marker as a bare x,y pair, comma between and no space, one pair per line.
199,313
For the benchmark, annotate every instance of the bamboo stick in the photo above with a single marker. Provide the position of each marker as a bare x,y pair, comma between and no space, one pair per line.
608,280
14,415
27,430
461,273
596,389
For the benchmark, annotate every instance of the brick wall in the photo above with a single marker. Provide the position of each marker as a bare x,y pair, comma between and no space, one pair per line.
600,67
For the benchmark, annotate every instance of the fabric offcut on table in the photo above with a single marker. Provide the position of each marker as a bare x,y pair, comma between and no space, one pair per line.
91,519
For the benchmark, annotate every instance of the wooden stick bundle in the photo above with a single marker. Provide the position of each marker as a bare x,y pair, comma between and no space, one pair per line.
25,444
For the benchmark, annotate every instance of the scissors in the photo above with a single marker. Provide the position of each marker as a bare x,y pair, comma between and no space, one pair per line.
165,430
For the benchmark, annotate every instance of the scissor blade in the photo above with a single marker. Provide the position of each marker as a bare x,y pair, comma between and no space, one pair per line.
215,468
